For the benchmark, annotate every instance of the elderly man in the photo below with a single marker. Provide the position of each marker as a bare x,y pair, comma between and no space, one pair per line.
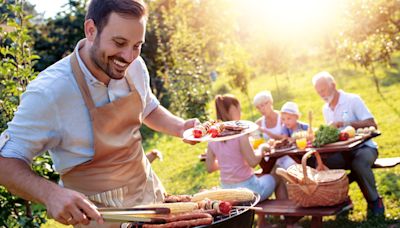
342,109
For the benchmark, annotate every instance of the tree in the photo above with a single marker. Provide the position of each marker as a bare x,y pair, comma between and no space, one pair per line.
371,34
187,40
58,37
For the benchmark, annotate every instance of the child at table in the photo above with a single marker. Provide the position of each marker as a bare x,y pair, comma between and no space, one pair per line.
236,157
290,115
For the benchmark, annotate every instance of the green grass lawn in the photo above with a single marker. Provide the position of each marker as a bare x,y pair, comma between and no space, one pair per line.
182,173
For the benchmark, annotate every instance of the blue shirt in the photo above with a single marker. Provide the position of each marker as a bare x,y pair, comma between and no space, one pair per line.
53,116
355,110
300,127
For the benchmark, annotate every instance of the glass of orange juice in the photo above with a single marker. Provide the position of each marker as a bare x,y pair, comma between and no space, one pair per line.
301,143
258,142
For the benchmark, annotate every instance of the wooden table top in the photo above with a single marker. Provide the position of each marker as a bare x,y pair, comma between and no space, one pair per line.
352,144
343,146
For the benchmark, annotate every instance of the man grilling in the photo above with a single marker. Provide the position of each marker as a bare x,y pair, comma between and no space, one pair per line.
86,110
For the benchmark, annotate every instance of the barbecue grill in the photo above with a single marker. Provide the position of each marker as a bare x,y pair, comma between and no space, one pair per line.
237,218
242,217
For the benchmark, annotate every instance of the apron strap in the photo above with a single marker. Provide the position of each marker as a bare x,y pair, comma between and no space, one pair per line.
80,79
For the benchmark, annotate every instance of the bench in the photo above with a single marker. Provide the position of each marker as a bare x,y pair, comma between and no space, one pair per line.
289,208
386,162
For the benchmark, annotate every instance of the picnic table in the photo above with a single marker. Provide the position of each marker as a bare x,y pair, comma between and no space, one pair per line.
289,208
295,153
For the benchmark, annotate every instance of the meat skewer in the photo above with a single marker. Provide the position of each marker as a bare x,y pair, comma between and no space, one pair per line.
202,129
216,129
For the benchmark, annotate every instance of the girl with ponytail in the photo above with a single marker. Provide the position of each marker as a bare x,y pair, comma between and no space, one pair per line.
235,158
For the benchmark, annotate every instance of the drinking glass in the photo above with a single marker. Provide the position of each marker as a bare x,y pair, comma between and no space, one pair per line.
301,143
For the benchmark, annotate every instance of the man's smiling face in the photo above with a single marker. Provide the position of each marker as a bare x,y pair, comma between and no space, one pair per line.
118,44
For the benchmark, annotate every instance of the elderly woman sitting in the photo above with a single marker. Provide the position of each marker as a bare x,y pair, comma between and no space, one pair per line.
272,128
270,121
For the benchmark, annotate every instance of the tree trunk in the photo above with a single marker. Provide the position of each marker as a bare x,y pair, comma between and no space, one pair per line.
376,80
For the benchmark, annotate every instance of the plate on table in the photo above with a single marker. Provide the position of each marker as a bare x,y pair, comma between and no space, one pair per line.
247,125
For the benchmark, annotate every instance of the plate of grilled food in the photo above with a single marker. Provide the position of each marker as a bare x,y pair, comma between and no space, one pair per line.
276,146
212,130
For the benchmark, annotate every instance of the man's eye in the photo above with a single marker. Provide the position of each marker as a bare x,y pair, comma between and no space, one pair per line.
119,44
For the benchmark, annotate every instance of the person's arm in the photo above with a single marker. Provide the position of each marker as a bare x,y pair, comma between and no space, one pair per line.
61,203
272,135
259,121
363,116
211,161
358,124
364,123
248,153
162,120
33,130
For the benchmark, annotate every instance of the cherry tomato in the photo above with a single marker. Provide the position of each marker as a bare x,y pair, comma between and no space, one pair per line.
343,136
197,133
225,207
213,131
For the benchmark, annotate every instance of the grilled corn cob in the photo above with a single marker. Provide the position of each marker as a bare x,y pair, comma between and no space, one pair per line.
179,207
230,195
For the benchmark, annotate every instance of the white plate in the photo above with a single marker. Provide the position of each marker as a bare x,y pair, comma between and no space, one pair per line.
188,134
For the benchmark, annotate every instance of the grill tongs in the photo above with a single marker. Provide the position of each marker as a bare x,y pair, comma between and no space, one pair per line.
150,214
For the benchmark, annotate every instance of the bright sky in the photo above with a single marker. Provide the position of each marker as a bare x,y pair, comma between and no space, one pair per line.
291,18
49,8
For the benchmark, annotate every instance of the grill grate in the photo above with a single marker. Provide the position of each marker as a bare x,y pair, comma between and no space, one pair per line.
234,219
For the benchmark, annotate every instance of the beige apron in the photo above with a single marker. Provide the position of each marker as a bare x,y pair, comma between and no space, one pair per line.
119,175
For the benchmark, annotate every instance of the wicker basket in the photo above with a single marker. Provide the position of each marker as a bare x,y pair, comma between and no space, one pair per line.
310,187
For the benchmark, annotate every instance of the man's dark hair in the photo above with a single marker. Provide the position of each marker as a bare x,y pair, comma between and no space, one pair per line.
99,10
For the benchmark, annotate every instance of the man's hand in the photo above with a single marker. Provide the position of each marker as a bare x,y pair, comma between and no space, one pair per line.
190,123
71,208
338,124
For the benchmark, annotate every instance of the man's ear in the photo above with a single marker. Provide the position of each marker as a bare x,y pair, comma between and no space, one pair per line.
90,30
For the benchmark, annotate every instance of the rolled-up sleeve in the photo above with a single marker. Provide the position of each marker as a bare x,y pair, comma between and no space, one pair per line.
150,99
33,129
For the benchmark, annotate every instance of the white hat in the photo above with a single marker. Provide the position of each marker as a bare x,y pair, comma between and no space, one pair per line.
291,108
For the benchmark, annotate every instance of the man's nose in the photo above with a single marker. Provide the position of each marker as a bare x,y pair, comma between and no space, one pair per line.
128,55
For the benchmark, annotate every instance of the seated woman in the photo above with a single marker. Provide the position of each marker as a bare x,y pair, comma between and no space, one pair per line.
236,157
271,123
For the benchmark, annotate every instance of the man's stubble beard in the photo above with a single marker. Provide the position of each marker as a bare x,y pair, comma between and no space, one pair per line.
95,56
